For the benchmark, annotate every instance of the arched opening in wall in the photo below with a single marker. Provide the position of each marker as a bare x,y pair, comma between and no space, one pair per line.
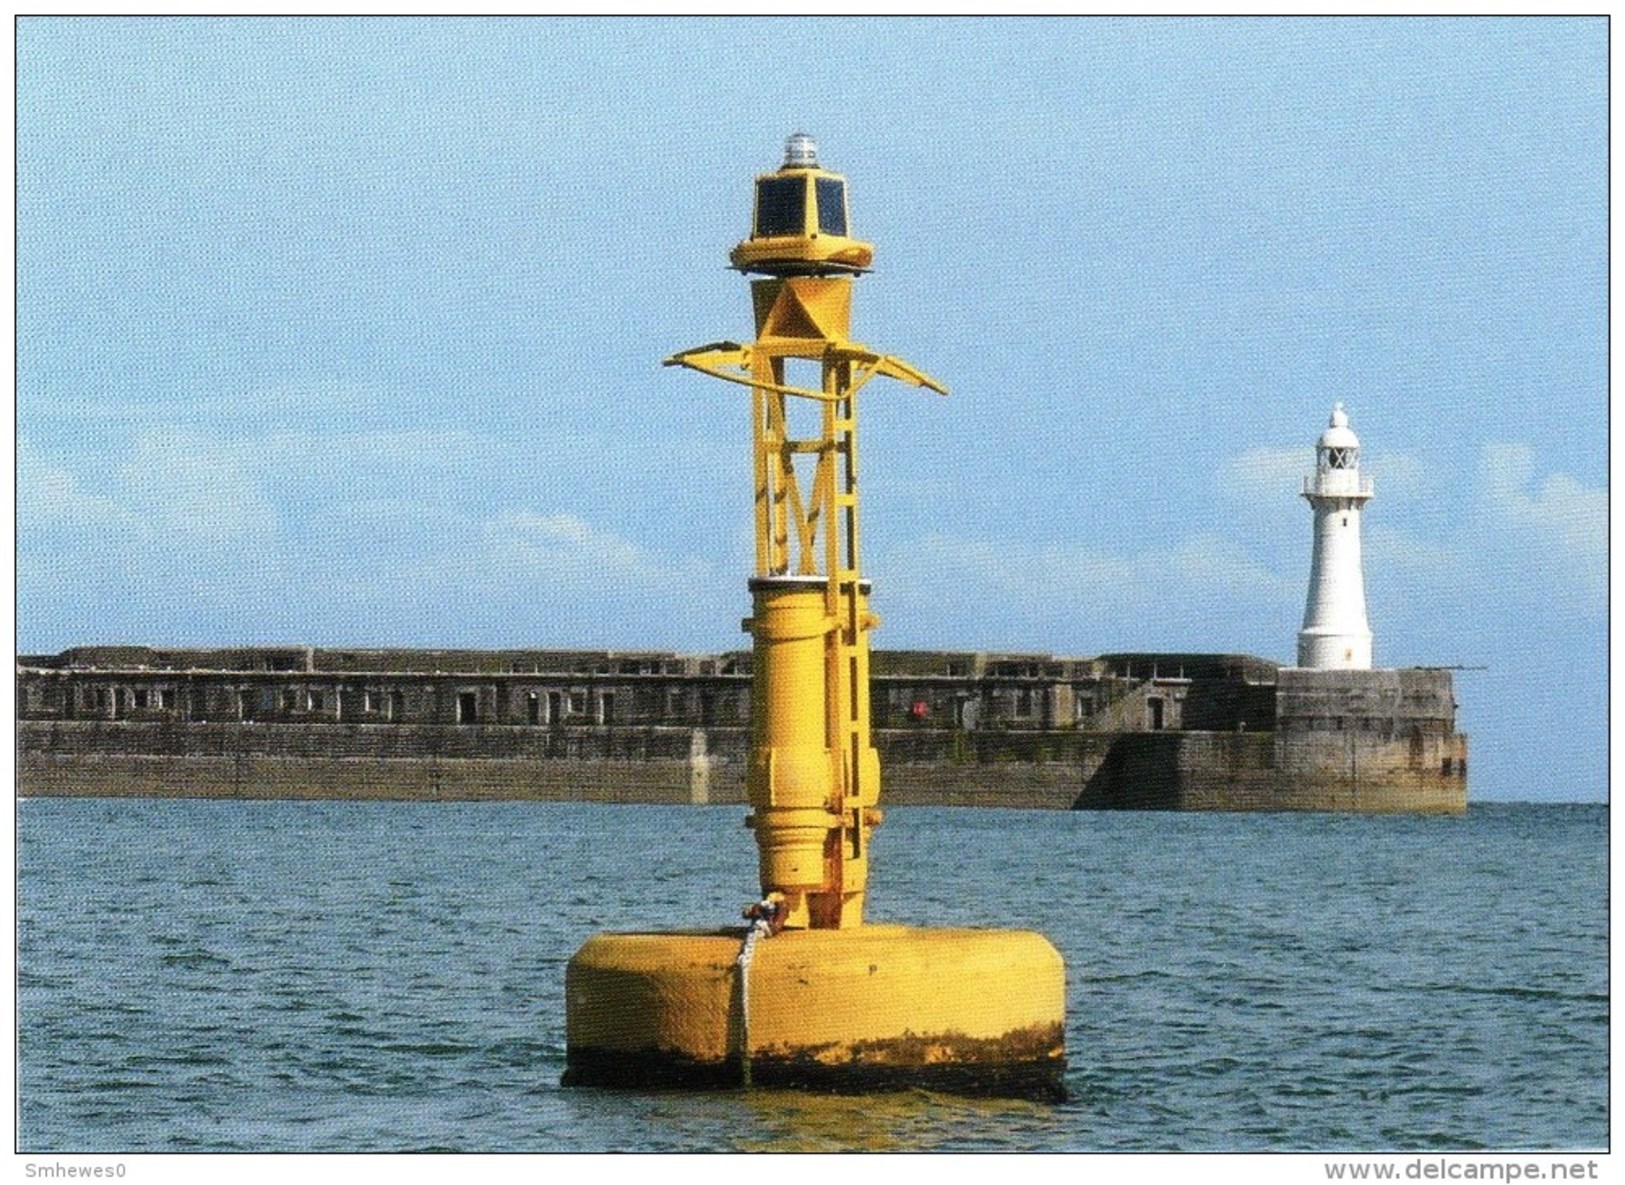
964,712
533,708
468,707
1153,708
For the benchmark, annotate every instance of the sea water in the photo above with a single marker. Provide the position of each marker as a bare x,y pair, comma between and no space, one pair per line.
297,976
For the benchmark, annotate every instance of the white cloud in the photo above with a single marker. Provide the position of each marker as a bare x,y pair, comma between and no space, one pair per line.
1565,521
522,544
246,534
1403,476
1405,560
1217,564
286,403
171,485
333,455
193,490
1266,473
1472,563
1014,570
1057,577
521,576
332,531
1270,474
49,495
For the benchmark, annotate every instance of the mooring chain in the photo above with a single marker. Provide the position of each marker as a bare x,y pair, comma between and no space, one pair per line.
766,919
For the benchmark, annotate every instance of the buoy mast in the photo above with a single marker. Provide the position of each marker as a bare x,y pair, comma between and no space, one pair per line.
814,776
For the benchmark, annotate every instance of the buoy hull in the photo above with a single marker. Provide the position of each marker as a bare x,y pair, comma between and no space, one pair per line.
974,1012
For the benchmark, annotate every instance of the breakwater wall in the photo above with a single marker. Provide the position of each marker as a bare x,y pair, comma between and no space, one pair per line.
1190,770
1120,731
1197,771
253,760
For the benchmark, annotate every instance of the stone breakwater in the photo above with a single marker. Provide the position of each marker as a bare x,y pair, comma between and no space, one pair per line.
1177,732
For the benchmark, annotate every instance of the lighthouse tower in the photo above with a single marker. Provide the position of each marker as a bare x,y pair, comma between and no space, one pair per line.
1335,634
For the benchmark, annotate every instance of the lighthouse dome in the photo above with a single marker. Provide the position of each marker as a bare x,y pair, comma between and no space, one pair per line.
1338,434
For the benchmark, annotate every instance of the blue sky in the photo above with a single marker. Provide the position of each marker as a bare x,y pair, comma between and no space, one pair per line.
349,331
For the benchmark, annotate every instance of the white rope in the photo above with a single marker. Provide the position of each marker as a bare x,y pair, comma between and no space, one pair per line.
761,926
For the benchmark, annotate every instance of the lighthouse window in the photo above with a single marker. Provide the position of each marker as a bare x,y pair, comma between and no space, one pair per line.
781,204
831,206
1345,520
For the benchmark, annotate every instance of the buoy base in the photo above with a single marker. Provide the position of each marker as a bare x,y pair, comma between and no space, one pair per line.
872,1008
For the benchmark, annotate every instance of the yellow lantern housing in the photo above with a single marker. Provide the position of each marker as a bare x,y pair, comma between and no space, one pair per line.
800,223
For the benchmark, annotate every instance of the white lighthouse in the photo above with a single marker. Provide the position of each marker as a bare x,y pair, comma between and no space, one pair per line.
1335,634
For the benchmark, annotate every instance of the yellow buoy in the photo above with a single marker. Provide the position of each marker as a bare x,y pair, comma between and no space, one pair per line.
874,1007
809,995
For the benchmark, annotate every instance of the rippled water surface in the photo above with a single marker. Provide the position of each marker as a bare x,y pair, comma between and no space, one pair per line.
381,976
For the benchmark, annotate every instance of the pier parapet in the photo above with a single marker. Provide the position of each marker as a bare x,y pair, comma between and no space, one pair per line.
971,728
